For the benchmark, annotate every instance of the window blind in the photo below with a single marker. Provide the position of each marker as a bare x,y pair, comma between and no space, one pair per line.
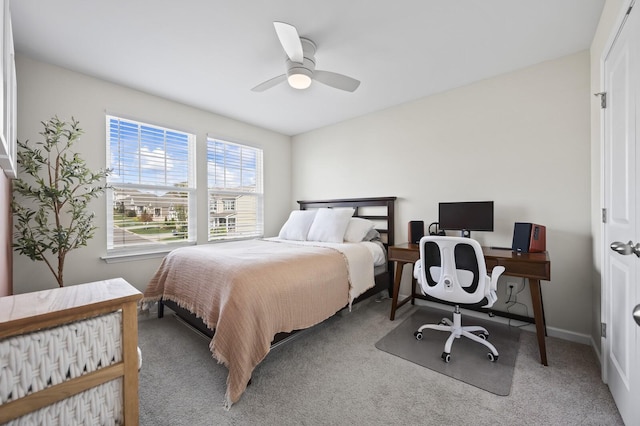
234,174
152,196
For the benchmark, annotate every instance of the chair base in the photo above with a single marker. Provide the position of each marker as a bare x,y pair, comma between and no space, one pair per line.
457,330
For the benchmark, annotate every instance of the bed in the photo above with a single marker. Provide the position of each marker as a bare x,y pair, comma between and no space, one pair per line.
249,295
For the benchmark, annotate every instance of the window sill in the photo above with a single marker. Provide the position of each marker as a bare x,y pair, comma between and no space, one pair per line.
124,256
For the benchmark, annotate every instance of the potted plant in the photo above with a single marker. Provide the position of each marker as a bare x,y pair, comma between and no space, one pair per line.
51,196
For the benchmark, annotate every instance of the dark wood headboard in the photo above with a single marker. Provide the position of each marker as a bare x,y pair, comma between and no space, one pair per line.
382,209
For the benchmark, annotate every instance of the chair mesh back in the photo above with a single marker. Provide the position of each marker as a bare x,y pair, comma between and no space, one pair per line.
466,259
431,258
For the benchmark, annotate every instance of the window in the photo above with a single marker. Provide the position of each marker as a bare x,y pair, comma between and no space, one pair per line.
152,195
235,190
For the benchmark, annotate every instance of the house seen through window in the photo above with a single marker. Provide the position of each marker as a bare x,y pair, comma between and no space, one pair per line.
235,190
151,203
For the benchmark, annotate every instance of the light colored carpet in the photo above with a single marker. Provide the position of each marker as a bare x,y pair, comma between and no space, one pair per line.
334,375
469,362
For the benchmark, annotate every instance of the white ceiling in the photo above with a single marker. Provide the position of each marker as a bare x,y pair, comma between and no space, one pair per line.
210,53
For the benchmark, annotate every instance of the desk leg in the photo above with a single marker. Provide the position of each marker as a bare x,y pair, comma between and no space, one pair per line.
396,289
413,290
538,315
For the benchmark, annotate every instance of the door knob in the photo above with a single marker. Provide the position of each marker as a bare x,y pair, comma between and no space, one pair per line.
636,314
625,249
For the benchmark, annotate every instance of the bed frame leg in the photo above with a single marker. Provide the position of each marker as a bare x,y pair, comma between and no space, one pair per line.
160,309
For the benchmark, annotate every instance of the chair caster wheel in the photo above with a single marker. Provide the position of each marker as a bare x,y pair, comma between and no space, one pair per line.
418,335
446,357
443,322
484,336
492,357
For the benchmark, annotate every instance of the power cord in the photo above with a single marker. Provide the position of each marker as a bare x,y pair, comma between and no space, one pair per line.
512,301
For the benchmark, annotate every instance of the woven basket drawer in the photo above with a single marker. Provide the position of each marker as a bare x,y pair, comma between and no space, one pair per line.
32,362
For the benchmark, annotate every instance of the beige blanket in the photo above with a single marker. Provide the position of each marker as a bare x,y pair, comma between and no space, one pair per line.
250,290
359,260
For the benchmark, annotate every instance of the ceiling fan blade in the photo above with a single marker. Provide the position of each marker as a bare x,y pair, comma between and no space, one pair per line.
290,41
269,83
336,80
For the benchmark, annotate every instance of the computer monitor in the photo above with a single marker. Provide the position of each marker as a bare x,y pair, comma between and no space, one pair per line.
466,216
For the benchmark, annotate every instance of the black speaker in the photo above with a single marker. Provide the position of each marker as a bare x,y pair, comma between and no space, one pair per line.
416,231
529,238
521,233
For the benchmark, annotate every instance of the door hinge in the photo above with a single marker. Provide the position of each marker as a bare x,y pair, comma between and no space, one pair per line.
604,215
603,329
603,99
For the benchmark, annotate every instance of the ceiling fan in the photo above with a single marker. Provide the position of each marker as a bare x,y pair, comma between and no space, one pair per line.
301,64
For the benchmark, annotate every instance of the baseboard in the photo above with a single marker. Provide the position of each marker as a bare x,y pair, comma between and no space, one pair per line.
571,336
559,333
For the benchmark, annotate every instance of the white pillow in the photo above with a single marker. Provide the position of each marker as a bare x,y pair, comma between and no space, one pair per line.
357,229
329,225
297,226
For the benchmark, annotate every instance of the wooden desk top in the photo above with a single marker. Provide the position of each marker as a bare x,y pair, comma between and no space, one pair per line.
492,252
528,265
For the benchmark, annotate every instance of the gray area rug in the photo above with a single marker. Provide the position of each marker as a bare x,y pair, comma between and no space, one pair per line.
469,362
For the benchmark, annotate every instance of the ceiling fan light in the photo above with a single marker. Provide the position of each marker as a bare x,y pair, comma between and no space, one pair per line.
299,81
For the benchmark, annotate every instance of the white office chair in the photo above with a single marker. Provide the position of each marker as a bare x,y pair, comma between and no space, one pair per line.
453,269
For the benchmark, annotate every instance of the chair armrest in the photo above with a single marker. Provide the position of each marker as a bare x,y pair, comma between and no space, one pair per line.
495,274
417,269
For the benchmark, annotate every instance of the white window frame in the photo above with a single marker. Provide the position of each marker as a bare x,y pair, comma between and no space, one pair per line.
121,253
232,194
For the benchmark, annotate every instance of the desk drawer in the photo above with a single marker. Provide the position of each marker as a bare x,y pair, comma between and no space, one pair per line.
403,255
523,269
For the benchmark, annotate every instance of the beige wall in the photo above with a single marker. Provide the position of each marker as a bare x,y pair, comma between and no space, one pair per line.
6,254
520,139
45,90
609,23
473,143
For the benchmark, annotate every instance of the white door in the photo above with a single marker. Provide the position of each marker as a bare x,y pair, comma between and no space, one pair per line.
621,257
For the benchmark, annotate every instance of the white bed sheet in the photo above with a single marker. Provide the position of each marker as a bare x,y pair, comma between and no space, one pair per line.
376,250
